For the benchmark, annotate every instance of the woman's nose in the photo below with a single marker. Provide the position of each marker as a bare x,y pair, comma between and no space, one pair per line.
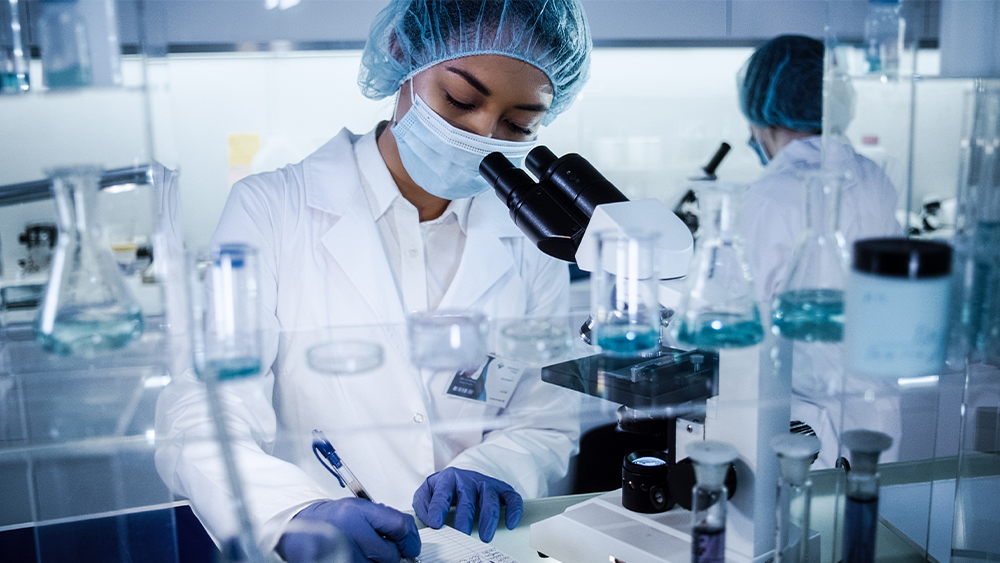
483,124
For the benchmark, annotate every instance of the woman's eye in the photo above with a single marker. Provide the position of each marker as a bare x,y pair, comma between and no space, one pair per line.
519,130
460,105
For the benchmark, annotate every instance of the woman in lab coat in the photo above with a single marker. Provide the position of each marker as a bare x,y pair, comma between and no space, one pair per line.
781,95
365,230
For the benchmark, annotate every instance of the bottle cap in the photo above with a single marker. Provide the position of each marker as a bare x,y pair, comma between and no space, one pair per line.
865,446
711,461
902,257
795,455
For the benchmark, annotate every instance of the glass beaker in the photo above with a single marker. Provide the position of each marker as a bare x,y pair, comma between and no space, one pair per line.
623,294
13,63
719,307
226,307
87,307
65,45
809,305
448,339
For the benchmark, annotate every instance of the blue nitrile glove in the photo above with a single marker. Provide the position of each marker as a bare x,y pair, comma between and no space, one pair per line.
377,533
467,490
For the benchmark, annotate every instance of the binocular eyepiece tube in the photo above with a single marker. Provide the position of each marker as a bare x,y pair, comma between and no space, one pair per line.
554,211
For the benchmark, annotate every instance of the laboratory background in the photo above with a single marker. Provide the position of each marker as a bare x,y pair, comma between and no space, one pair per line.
125,124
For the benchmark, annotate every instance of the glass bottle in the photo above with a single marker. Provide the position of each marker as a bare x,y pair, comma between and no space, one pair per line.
87,307
795,453
226,335
623,296
708,500
861,512
13,63
65,46
809,305
884,30
719,307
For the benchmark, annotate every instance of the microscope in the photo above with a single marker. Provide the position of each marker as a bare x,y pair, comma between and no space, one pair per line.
731,395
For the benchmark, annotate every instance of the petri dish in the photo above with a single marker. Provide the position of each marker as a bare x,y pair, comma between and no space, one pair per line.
535,341
344,357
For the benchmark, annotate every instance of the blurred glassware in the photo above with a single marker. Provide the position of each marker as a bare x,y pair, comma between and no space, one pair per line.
13,60
225,309
444,339
623,294
719,307
344,357
535,341
87,307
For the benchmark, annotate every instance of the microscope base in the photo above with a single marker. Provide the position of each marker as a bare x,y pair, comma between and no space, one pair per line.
600,528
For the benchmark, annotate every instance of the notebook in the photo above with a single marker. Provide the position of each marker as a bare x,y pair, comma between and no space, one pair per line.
448,545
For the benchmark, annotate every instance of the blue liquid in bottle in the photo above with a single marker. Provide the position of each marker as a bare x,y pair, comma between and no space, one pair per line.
812,315
722,330
627,339
860,521
708,545
234,368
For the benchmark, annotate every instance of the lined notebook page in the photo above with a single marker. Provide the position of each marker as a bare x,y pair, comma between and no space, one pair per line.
448,545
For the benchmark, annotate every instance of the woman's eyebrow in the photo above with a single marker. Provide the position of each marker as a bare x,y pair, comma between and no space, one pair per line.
472,80
475,83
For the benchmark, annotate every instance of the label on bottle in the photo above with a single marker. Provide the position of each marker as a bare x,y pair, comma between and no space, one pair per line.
896,326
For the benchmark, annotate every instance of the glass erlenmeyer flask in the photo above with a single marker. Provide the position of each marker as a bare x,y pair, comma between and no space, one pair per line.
719,308
87,307
809,305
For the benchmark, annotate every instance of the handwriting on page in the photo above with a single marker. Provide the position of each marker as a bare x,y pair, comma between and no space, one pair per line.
448,545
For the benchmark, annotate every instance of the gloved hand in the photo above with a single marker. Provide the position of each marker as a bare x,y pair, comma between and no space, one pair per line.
377,532
468,490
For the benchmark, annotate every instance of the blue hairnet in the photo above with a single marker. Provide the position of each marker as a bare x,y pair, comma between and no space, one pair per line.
782,84
409,36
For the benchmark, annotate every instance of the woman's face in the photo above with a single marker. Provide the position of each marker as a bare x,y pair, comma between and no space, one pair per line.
489,95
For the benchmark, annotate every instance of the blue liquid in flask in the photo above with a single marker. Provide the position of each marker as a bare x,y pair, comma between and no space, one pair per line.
627,339
722,330
708,545
88,330
860,521
812,315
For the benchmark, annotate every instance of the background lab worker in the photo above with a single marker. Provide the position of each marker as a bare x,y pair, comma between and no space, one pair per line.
365,230
781,95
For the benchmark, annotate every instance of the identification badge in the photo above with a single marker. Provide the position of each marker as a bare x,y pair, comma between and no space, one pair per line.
492,383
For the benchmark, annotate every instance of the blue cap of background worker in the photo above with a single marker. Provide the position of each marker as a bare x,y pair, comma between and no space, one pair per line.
782,86
409,36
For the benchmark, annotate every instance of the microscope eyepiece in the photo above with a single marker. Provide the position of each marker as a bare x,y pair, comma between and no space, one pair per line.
539,161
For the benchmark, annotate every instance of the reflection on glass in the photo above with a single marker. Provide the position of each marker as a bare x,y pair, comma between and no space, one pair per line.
452,340
87,307
719,308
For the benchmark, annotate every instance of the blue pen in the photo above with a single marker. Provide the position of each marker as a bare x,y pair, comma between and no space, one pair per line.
323,447
323,450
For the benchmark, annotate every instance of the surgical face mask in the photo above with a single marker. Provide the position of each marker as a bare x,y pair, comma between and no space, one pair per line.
759,149
444,160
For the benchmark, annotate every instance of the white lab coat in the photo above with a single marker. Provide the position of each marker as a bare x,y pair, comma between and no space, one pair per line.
323,264
772,223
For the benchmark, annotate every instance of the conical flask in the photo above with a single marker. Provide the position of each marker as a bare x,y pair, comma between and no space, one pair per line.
719,307
87,307
809,305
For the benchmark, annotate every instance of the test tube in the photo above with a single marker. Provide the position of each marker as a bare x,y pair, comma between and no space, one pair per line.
795,453
861,513
708,500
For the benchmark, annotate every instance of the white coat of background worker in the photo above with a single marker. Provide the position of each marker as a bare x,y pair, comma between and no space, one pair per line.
365,230
781,95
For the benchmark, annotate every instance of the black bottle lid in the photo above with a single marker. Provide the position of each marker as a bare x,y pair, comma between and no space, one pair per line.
902,258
